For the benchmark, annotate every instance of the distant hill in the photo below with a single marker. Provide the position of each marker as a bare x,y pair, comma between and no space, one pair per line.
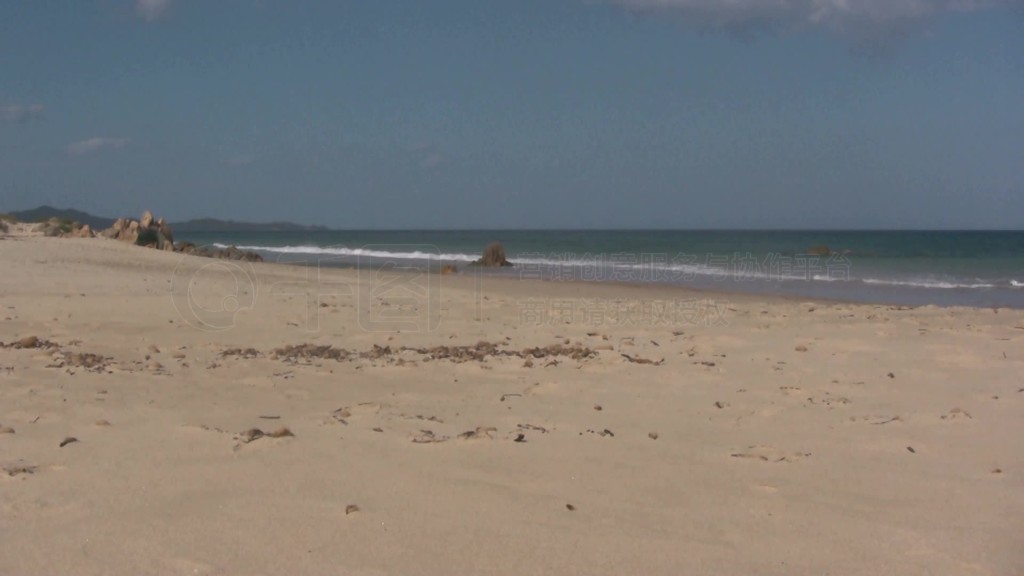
199,225
46,212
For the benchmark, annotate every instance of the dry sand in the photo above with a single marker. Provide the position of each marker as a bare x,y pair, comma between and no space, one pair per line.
762,437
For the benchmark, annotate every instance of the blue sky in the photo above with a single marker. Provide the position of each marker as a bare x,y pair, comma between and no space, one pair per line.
519,113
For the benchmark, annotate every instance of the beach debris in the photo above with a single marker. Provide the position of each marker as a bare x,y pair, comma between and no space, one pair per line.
911,450
957,413
570,507
240,353
891,375
102,423
606,432
251,435
997,471
68,440
29,342
6,430
886,421
719,405
520,438
598,407
428,437
350,509
652,435
706,363
540,429
479,432
422,417
770,454
801,348
16,469
342,415
378,429
478,352
638,360
282,432
503,396
268,417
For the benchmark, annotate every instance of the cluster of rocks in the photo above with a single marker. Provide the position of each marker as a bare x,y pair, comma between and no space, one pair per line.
57,228
146,231
229,253
493,257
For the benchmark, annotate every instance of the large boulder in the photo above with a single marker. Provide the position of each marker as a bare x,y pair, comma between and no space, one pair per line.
166,231
114,230
150,238
494,256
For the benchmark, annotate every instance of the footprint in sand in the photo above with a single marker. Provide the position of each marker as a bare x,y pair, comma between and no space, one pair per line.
481,432
769,454
957,414
345,413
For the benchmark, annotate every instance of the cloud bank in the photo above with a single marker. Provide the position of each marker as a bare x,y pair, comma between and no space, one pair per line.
150,10
95,144
853,17
17,113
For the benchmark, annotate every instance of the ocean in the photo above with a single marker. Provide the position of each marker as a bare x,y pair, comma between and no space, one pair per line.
946,268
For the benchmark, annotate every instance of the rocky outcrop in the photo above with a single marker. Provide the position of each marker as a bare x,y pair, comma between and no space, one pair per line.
147,231
229,253
493,257
57,228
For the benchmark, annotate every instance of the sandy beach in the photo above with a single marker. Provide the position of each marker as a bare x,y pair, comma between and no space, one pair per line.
168,414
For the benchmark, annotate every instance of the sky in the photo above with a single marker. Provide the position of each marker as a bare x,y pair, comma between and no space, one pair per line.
474,114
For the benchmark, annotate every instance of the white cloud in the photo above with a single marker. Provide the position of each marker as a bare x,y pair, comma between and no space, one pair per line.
17,113
844,16
94,144
150,10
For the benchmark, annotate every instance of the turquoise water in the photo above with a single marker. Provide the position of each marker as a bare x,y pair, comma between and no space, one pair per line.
914,268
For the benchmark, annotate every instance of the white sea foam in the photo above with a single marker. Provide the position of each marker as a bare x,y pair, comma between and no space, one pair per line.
609,270
929,284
